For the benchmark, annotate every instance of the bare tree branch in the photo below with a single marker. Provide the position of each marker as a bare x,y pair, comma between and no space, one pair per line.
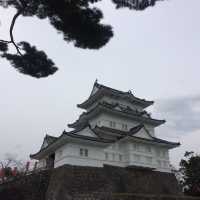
19,12
11,30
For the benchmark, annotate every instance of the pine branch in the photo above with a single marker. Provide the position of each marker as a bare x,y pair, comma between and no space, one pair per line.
12,41
11,30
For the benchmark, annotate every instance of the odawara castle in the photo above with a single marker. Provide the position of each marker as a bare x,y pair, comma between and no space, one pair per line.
114,129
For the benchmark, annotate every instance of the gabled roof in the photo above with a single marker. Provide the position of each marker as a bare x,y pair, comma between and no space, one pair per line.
48,140
132,134
67,136
83,137
100,91
118,132
142,117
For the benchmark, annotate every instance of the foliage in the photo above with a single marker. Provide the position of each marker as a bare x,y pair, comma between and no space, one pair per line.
135,4
77,20
190,170
3,46
32,62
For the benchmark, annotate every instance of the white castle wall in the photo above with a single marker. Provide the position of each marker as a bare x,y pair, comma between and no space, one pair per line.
120,154
105,119
71,155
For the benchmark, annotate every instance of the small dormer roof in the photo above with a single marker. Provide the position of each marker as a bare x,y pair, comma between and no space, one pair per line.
100,91
72,136
48,139
132,133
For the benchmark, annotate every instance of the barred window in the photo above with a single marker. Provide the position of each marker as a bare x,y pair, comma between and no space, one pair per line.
124,127
112,124
83,152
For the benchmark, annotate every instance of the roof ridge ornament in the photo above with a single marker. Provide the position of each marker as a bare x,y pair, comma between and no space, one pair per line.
130,92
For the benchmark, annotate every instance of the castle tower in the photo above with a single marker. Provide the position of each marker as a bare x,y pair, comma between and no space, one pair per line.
114,129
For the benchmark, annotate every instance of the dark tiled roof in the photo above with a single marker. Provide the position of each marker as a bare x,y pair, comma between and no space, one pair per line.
166,142
104,90
32,156
95,139
144,116
50,138
74,135
132,132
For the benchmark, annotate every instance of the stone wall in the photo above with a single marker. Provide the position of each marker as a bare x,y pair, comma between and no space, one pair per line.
70,180
90,183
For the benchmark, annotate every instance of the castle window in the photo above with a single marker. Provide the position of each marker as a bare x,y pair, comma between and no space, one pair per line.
112,124
81,152
124,127
84,152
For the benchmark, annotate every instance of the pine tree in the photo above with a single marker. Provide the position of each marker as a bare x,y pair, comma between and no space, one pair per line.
77,20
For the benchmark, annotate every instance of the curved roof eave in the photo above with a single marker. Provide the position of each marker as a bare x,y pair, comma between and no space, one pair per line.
131,134
45,149
84,118
157,141
104,90
132,131
66,135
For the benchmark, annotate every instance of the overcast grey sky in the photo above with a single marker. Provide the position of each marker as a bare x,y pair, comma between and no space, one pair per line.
155,53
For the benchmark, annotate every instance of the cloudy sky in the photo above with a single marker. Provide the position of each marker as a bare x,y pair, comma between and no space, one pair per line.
155,53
